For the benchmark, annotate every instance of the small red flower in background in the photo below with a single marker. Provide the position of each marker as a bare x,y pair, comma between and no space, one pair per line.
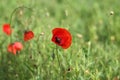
62,37
14,47
28,35
7,29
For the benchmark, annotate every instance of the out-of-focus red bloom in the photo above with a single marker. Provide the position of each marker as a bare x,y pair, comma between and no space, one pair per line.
14,47
61,37
28,35
7,29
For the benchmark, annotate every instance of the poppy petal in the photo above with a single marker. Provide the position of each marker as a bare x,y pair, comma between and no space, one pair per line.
7,29
14,47
62,37
28,35
18,46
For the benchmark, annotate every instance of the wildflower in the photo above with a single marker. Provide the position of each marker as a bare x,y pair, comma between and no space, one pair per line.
62,37
28,35
14,47
7,29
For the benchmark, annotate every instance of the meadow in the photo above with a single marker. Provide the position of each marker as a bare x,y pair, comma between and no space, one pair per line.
93,55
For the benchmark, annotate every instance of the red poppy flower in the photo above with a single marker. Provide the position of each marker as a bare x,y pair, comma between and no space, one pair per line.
14,47
7,29
62,37
28,35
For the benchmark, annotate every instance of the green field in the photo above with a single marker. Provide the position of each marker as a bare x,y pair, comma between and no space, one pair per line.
93,55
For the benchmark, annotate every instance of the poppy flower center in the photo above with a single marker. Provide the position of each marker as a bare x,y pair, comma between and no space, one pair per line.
57,40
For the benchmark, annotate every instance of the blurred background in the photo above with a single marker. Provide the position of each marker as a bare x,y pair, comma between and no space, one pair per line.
94,19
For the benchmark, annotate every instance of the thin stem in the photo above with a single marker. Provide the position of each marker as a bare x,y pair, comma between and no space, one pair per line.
11,16
59,62
16,10
58,56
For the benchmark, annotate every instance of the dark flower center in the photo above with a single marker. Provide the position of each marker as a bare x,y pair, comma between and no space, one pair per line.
57,40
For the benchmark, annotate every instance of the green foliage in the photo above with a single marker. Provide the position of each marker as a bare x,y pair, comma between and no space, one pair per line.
93,55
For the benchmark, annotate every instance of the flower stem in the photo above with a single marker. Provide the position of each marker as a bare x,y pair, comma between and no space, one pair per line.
20,7
59,62
11,16
58,56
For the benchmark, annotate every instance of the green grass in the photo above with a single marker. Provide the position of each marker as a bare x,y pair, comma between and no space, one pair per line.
93,55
